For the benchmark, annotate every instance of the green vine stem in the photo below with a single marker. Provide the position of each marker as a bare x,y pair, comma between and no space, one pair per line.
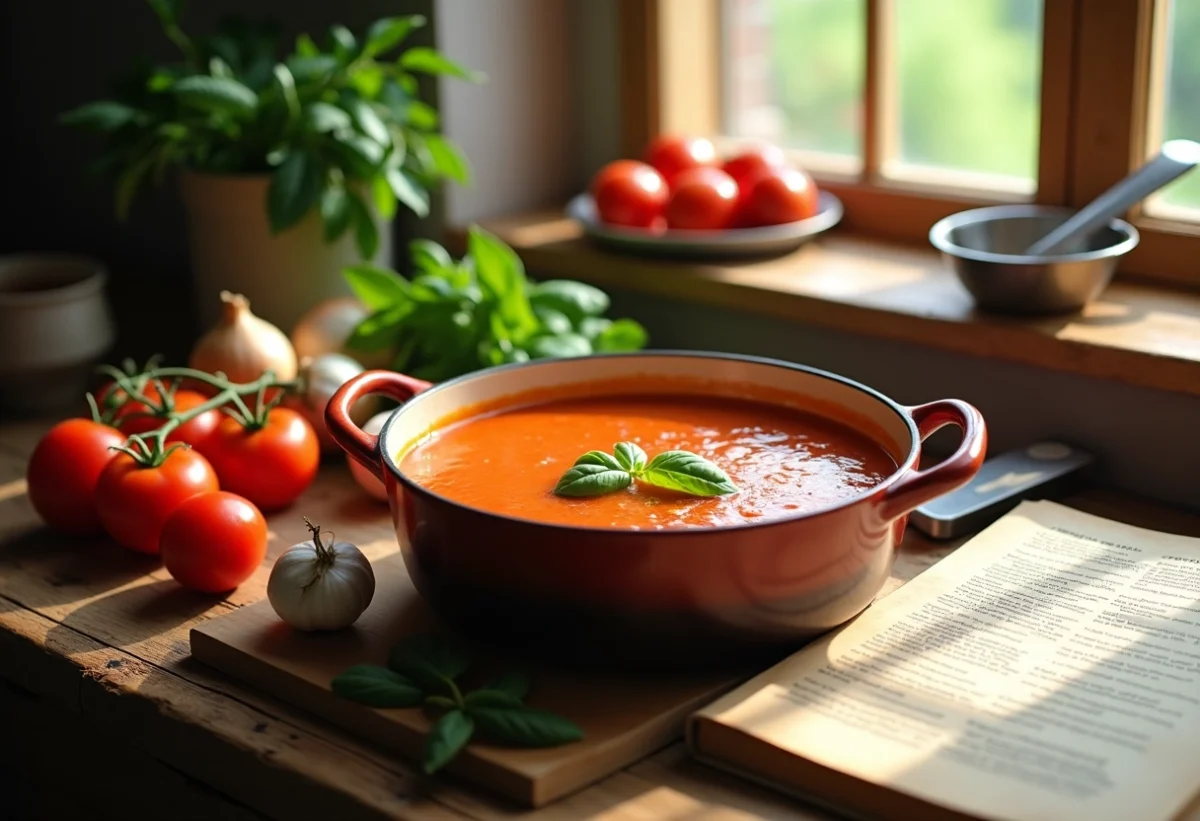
151,449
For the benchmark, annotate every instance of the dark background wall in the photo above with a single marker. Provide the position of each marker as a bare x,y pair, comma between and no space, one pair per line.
56,55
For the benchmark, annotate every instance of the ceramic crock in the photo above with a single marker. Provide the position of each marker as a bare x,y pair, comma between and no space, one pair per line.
703,596
55,325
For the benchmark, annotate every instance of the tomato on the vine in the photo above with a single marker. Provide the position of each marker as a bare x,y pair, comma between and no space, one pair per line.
630,193
703,199
193,432
672,155
213,542
135,500
269,465
778,196
63,471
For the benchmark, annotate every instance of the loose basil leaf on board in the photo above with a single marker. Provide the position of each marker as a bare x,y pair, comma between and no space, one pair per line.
490,698
429,660
599,457
446,738
515,682
377,687
592,480
524,727
630,456
680,470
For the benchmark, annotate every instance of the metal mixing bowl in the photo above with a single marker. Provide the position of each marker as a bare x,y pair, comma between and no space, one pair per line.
985,247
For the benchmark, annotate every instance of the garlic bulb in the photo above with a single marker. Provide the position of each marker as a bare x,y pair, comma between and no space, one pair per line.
367,480
326,327
320,378
320,586
243,346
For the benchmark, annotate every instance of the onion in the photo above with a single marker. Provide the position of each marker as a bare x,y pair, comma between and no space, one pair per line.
367,480
327,326
320,378
243,346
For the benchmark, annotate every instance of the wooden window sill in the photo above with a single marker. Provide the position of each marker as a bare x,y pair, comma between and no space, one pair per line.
1138,334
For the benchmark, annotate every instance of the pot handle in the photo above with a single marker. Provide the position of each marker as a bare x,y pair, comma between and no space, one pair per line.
363,447
920,486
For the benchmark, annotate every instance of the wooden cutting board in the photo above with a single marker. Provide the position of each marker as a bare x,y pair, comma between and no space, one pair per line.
624,717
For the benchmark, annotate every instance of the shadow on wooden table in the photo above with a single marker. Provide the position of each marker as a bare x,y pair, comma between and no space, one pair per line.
40,568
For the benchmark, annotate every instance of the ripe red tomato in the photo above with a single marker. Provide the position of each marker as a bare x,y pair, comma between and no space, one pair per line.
746,166
628,192
63,472
270,466
779,196
672,155
213,542
193,432
134,501
703,199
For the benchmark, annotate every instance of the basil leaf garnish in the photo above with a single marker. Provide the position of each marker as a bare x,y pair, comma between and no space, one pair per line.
631,457
599,457
523,727
592,480
681,470
377,687
449,735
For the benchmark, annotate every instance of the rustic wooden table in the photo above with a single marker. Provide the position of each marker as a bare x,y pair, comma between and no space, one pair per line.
105,715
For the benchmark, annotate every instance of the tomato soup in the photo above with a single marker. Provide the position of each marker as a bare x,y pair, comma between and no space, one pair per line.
783,461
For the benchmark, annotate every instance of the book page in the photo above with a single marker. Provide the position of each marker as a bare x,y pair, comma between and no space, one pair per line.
1047,669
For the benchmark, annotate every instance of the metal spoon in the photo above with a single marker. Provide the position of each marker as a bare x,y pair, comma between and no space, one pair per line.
1175,158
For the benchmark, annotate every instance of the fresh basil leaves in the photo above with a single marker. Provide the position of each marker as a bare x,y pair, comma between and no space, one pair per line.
687,472
593,480
423,671
596,473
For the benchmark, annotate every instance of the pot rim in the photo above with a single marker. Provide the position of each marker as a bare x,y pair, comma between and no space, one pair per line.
901,469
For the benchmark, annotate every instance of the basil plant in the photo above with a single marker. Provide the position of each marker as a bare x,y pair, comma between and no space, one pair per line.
334,123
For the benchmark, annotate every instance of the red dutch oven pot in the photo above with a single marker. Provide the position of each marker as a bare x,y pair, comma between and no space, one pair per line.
696,596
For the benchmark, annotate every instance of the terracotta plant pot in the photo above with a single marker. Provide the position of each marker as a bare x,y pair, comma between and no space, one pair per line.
55,325
696,596
232,248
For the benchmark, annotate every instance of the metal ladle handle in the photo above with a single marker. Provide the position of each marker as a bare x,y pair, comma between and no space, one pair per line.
1175,158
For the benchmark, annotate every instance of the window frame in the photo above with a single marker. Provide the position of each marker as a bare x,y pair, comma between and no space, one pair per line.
1097,63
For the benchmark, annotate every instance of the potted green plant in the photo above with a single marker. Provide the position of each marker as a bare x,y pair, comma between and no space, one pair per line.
291,164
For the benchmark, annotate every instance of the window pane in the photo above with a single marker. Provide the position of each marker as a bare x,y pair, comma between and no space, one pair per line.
968,85
1180,118
793,72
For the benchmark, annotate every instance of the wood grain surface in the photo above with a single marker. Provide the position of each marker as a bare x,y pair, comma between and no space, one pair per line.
105,708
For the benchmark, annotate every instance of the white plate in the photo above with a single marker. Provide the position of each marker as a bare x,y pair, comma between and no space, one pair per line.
769,239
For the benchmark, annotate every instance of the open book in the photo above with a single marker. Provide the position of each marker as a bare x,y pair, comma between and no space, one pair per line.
1047,670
